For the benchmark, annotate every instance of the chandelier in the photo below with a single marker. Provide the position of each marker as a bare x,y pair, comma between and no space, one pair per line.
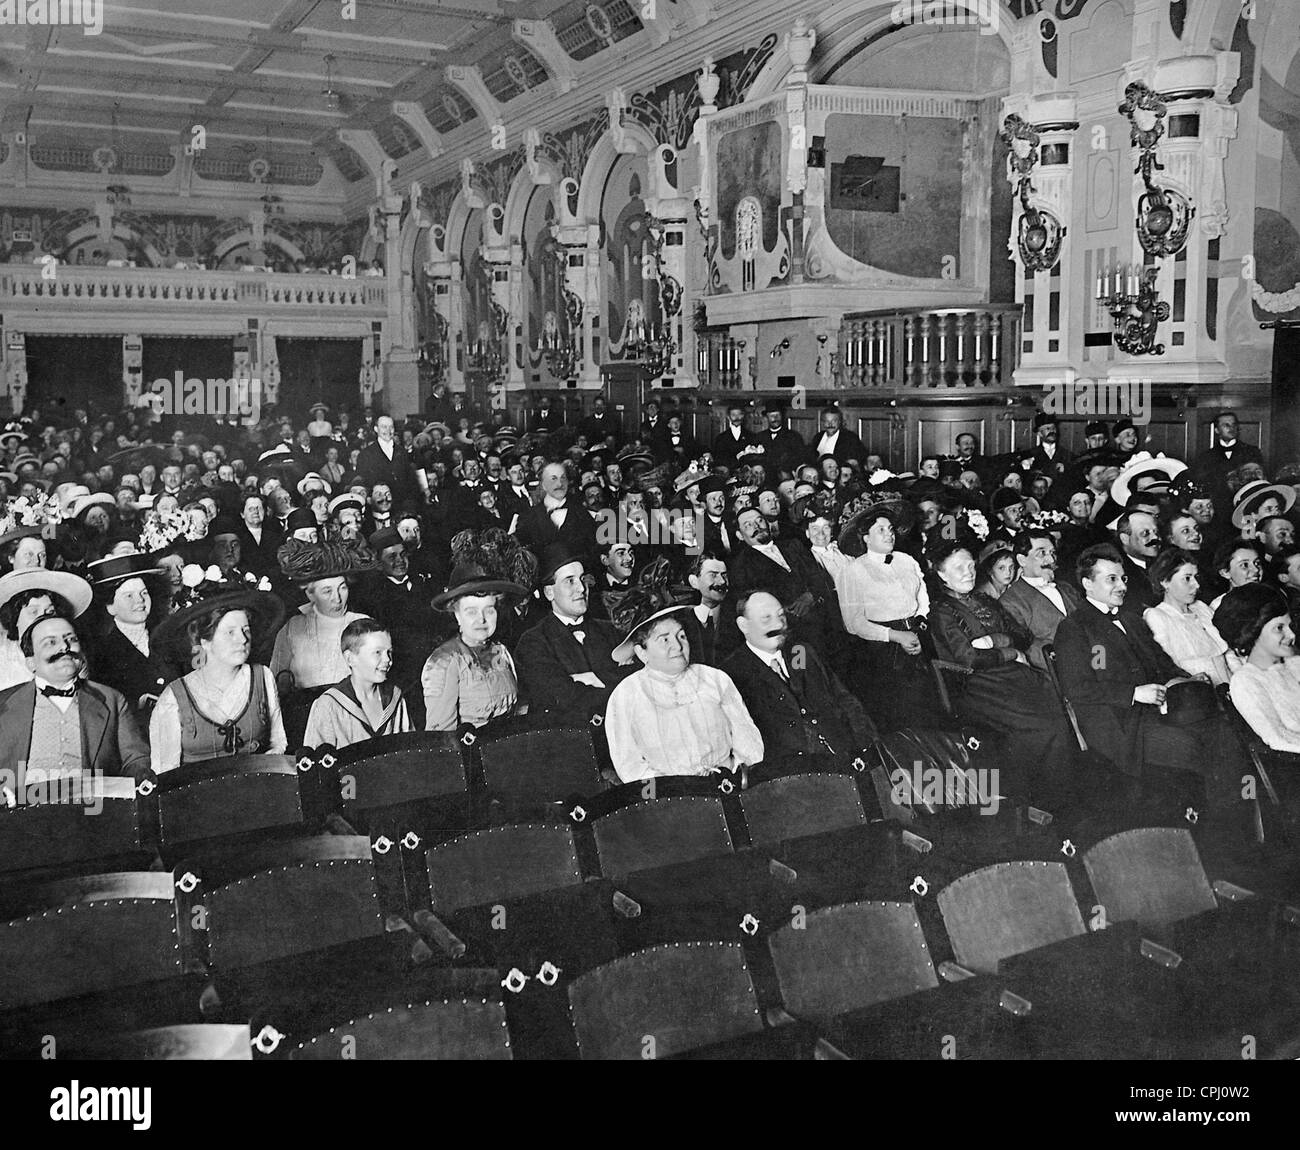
1129,294
559,343
651,346
487,353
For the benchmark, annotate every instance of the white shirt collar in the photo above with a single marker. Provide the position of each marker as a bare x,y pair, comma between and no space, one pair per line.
768,657
1104,608
1038,581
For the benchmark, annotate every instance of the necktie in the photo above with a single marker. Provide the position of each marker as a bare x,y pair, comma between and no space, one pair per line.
62,693
575,629
778,665
708,627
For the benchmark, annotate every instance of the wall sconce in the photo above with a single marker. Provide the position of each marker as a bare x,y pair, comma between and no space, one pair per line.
1163,215
1039,233
779,349
1129,294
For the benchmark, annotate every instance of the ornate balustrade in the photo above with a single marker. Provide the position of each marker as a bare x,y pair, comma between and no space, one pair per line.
949,348
167,288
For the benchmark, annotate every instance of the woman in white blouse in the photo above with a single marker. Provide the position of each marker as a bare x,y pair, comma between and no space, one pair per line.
884,601
1181,624
1266,688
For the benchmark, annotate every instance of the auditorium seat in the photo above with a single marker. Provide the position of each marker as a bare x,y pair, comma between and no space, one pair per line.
664,1001
91,935
1007,909
542,765
848,957
660,832
193,1042
1152,876
443,1031
51,839
314,894
800,805
501,863
243,795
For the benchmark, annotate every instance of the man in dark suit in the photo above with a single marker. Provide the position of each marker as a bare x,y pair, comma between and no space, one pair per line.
1139,540
676,445
1211,467
1036,600
788,570
566,663
710,624
719,535
545,417
514,498
734,437
399,598
62,726
1047,456
795,700
653,425
783,447
836,439
559,518
1116,677
600,425
386,462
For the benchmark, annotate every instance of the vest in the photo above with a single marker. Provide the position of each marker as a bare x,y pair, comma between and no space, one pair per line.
56,739
249,733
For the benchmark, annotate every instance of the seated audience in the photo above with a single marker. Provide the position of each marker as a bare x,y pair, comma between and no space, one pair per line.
673,717
798,703
1037,600
364,705
26,596
226,705
1180,623
1265,689
471,679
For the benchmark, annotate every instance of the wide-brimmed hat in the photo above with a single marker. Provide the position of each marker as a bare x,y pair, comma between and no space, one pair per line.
642,604
264,609
118,568
866,509
31,531
85,502
73,588
305,563
1144,466
688,478
472,579
1250,495
310,480
26,459
630,456
315,407
438,425
1005,497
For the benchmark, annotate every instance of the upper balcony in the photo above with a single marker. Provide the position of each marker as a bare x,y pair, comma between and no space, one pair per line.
72,298
944,349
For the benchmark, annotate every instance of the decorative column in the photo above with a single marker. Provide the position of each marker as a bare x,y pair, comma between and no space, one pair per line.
1050,284
132,369
15,374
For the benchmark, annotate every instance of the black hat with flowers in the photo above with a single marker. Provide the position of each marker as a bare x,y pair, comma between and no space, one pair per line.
305,563
203,590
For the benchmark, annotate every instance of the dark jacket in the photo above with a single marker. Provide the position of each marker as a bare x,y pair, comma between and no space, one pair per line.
783,450
399,473
548,656
118,663
726,447
812,714
536,529
1099,666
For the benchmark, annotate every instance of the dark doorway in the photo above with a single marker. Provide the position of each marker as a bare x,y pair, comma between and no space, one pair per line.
1286,396
65,372
319,371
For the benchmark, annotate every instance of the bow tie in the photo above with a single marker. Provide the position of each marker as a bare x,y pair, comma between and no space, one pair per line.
889,558
61,692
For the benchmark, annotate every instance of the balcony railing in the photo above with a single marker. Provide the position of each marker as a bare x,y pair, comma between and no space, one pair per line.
948,348
173,287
